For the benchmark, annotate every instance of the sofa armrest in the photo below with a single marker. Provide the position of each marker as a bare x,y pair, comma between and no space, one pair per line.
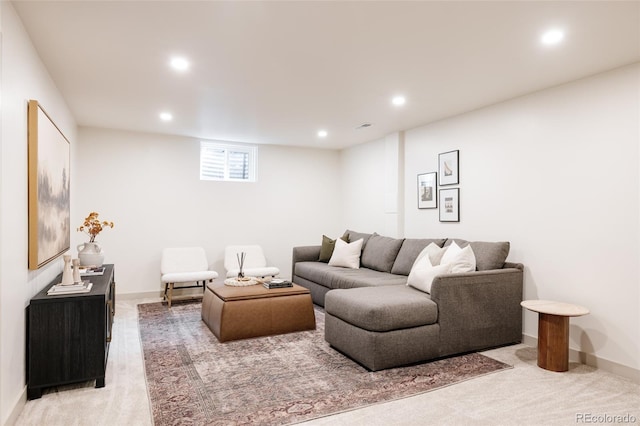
304,254
479,309
510,265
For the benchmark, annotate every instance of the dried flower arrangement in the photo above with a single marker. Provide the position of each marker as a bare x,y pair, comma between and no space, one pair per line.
92,226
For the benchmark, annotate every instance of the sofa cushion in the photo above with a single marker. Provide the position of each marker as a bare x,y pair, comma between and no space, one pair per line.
326,249
489,255
382,308
380,252
411,248
334,277
346,255
353,236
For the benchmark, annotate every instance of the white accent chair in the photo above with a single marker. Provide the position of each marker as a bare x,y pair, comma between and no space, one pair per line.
255,264
184,265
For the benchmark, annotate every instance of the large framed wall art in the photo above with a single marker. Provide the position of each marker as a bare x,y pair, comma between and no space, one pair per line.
427,183
49,187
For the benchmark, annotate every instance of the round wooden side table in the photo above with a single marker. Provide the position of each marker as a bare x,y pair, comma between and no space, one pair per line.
553,331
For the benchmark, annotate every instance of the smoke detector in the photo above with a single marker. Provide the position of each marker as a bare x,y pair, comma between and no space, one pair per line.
364,126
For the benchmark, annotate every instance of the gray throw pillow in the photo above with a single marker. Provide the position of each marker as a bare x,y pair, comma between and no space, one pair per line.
411,248
355,236
489,255
380,253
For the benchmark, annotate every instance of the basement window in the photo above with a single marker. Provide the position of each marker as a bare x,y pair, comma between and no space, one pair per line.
226,162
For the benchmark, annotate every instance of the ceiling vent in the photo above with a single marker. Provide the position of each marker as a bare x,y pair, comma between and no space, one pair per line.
364,126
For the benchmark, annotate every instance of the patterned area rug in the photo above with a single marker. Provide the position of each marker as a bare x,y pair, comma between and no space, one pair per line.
194,379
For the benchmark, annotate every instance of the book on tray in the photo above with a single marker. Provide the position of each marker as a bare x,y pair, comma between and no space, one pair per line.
88,271
277,283
82,287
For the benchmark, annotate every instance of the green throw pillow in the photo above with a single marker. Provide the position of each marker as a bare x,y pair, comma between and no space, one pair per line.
327,247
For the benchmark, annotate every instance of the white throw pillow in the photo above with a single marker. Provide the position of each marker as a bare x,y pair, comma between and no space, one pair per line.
461,260
422,274
434,252
450,252
346,255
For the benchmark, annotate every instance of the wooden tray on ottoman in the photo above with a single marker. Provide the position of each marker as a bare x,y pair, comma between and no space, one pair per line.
233,313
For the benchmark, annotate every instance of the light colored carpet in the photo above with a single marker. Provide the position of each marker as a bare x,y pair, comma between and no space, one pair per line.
524,395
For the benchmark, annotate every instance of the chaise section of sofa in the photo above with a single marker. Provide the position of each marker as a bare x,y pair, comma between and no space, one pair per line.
382,327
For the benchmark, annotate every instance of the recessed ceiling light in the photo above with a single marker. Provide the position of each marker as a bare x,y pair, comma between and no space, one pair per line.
322,133
166,116
179,64
398,100
552,37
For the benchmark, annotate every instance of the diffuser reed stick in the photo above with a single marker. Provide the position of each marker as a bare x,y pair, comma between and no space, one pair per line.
241,256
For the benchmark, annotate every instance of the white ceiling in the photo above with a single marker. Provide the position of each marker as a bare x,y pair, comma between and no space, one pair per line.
277,72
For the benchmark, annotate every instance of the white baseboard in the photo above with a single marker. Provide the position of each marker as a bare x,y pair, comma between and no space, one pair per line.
158,294
592,361
143,295
17,409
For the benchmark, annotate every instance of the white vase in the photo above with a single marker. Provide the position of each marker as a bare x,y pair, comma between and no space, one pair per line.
90,254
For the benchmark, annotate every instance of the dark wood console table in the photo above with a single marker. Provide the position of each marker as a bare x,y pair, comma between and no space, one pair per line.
68,335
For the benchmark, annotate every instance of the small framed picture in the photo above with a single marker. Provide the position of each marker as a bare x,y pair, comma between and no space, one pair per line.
450,205
448,168
427,183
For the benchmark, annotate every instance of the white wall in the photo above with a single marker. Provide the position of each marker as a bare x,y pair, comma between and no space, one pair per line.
556,174
372,186
149,186
23,77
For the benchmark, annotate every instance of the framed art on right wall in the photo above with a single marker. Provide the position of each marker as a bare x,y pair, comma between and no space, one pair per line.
448,168
450,205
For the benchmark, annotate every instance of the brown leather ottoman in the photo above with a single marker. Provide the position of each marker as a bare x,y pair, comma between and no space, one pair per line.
233,313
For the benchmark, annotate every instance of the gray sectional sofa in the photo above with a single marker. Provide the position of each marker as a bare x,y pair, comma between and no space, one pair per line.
376,319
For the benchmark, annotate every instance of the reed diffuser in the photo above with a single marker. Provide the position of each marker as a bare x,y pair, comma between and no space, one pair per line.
241,256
